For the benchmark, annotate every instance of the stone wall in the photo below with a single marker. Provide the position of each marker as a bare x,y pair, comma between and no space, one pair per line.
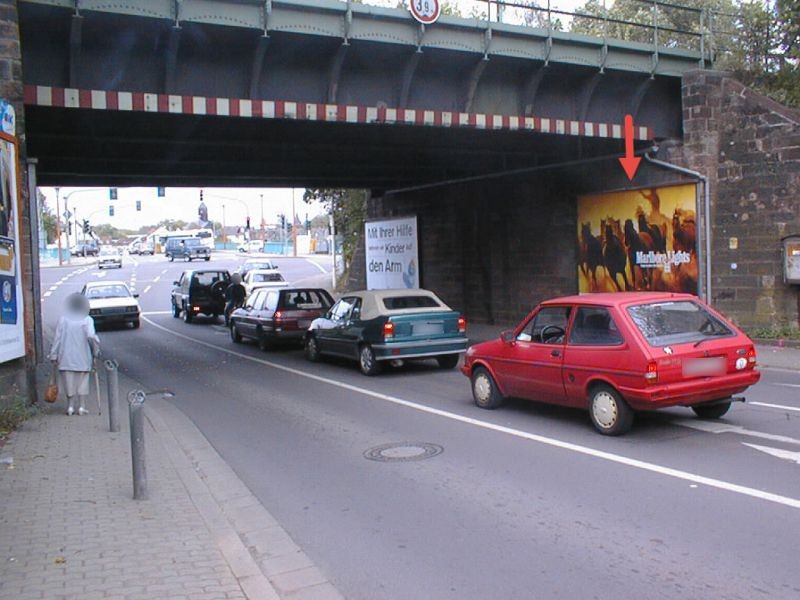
749,147
17,378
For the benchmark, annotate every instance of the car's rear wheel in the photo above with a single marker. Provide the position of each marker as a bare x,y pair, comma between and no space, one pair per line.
713,411
176,312
187,315
135,324
187,259
170,258
447,361
610,414
236,337
484,389
312,348
367,361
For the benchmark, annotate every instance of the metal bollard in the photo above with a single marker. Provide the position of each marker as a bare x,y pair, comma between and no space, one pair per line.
136,412
112,379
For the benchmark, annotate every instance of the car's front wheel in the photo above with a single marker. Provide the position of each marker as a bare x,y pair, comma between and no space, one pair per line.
367,361
484,389
312,348
170,258
135,324
447,361
236,337
610,414
713,411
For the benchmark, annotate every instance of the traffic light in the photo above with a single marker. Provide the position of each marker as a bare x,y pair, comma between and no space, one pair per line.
283,221
161,192
289,228
248,224
138,205
86,227
112,193
69,227
110,211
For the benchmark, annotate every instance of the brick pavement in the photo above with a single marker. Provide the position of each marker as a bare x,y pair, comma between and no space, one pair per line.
69,528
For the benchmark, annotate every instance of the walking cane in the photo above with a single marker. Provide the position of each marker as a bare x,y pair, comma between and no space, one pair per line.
97,386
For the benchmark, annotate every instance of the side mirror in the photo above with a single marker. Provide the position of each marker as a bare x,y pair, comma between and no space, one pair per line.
136,294
507,336
175,283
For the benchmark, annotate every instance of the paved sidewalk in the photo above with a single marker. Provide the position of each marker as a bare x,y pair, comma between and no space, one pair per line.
69,528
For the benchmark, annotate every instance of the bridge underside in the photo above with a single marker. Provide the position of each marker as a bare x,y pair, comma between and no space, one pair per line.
77,147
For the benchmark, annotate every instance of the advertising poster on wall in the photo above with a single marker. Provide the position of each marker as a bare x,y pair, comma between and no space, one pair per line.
642,239
12,331
391,254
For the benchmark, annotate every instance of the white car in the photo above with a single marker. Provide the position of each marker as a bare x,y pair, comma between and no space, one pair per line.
263,278
252,246
109,257
112,302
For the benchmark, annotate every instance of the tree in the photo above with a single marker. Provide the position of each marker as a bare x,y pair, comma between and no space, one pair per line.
349,209
48,219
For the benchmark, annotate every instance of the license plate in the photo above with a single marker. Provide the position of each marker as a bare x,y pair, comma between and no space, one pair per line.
303,324
698,367
427,328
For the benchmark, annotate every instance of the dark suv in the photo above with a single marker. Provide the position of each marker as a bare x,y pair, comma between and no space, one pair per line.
188,249
200,292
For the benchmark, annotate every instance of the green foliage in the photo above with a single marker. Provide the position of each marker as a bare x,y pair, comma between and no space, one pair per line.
349,208
776,333
13,413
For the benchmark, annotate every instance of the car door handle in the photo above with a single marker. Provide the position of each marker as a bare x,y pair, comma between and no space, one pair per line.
555,353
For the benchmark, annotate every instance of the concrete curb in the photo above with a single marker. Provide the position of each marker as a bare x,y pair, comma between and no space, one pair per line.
261,554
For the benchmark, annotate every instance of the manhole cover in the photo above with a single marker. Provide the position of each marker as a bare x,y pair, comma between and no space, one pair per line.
403,452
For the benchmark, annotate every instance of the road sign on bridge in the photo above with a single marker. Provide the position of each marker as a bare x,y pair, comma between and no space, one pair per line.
425,11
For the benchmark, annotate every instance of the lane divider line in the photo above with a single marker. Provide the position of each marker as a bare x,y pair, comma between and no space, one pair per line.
147,289
319,266
780,406
585,450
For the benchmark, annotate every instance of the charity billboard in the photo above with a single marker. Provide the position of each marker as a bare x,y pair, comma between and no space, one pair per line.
12,331
391,254
643,239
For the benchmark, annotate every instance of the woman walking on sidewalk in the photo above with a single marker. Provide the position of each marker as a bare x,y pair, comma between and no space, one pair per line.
75,346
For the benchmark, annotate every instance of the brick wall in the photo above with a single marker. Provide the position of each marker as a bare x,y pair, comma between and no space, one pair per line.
749,147
17,377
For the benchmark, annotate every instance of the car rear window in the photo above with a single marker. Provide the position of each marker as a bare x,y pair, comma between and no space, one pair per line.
264,277
304,300
208,278
400,302
679,322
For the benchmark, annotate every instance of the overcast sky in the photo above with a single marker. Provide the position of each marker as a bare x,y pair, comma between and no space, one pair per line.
180,204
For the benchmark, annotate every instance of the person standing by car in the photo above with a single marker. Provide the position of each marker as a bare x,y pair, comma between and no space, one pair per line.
75,346
235,294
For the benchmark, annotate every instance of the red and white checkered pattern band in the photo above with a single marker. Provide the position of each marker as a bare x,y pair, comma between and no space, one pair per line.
37,95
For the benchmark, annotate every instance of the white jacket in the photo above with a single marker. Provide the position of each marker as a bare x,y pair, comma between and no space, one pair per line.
75,343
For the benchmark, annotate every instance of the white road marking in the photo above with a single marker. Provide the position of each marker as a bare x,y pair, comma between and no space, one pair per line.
53,288
778,452
157,312
780,406
156,278
47,294
717,427
147,289
319,266
608,456
164,271
789,385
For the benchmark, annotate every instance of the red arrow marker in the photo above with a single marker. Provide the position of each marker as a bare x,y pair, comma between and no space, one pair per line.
630,162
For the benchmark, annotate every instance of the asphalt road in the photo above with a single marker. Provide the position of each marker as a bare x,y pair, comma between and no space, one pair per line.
523,502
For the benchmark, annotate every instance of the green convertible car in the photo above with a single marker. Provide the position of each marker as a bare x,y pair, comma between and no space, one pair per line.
388,325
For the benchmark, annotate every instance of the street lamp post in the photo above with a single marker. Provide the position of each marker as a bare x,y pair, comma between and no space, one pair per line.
224,237
58,224
294,228
263,224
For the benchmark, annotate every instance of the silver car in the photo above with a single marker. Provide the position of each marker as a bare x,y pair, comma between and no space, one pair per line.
112,302
109,257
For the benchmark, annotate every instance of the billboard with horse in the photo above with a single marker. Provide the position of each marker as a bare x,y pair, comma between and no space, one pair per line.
642,239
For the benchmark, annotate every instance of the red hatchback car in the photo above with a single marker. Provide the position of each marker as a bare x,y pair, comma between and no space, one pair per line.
617,354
